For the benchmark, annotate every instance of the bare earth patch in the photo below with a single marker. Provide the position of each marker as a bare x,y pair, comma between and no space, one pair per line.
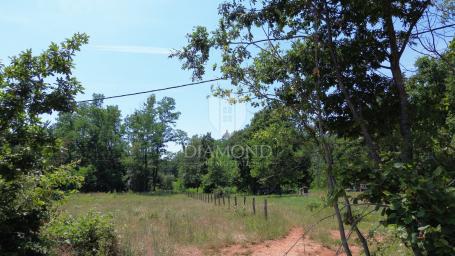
189,251
304,246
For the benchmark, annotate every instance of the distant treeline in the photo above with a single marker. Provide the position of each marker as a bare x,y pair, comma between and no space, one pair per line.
270,155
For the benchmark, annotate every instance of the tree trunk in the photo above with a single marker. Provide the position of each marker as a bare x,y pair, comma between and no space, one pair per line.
327,151
354,223
331,186
145,184
398,81
154,178
155,169
372,147
331,182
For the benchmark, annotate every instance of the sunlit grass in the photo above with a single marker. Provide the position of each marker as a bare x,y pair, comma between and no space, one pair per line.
160,225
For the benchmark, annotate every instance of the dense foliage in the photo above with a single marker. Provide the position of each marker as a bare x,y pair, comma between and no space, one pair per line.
148,131
90,235
30,182
267,156
324,63
92,136
337,109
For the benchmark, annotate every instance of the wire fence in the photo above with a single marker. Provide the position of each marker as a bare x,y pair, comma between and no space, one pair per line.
233,202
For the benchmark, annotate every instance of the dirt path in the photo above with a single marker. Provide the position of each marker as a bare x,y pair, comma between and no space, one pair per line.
279,247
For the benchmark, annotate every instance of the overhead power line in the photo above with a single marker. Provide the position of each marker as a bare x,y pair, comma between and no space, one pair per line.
155,90
433,29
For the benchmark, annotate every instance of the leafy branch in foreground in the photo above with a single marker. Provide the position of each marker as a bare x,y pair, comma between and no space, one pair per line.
328,75
29,183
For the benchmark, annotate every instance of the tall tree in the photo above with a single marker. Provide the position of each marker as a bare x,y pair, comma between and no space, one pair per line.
324,61
222,170
238,148
31,86
194,163
277,159
93,135
181,138
149,129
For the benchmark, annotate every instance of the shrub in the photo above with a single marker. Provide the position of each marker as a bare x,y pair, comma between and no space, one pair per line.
167,181
89,235
30,181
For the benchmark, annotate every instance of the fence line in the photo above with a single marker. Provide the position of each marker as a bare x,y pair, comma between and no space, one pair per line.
220,200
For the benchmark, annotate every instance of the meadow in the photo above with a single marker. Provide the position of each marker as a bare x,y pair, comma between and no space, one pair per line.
176,224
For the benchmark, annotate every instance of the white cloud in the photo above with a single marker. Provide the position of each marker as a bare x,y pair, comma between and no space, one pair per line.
13,19
133,49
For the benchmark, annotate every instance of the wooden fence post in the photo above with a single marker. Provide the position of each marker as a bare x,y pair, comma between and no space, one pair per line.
229,202
223,201
254,205
235,202
265,208
244,202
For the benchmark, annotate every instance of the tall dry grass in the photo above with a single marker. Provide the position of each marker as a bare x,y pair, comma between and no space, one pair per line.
162,225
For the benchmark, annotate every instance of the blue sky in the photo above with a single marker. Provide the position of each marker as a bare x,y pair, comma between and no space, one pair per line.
129,44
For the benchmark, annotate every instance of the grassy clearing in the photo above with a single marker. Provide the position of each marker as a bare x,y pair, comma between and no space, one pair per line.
160,225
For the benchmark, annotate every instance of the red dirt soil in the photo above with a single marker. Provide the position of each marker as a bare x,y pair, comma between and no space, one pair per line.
303,247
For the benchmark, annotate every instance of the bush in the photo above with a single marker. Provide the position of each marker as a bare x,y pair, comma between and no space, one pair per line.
178,186
167,181
26,203
30,181
89,235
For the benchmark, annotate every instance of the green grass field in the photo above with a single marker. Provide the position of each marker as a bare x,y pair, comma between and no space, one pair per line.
161,224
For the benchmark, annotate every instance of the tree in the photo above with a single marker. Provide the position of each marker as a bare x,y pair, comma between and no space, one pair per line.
148,129
193,165
277,161
289,75
429,199
323,60
221,173
93,136
29,183
181,138
237,144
